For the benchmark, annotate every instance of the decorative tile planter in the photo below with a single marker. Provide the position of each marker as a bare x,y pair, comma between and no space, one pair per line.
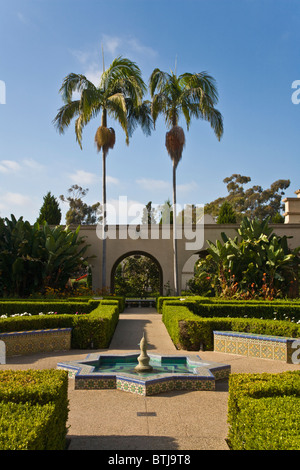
21,343
91,373
254,345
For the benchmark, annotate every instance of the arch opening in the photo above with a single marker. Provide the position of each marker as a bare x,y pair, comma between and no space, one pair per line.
188,271
137,274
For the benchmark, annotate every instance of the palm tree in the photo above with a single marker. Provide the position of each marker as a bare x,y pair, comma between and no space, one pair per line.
190,95
118,96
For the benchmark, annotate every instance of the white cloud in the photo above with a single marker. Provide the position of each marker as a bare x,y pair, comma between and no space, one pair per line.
32,164
187,187
91,59
11,166
14,199
83,177
117,44
112,180
8,166
153,184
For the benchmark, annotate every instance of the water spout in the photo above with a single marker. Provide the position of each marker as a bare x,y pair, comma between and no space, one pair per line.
143,359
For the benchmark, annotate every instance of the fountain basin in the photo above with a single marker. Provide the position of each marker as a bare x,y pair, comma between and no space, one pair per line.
107,371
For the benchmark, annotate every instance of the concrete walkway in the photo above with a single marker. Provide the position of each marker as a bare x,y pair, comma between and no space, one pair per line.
176,421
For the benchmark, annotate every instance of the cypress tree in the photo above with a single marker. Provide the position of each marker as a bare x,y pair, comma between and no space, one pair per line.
50,211
227,214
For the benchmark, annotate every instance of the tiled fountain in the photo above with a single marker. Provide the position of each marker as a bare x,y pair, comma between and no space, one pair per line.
144,374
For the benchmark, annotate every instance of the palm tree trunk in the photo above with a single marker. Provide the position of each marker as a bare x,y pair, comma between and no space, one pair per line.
175,260
104,123
104,219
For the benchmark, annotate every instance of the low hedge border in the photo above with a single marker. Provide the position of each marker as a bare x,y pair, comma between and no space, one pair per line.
192,332
34,409
93,330
264,411
63,306
205,307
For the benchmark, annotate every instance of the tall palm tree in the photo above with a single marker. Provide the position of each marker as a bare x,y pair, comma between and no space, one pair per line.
118,96
189,95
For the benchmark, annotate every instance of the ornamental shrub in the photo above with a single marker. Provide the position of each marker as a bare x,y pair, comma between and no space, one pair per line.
264,411
44,393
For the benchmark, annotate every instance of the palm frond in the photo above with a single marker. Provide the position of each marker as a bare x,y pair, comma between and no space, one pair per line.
120,95
157,81
65,115
74,83
139,116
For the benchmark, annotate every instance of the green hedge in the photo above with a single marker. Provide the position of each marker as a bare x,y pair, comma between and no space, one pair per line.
264,411
61,306
217,307
92,330
33,409
190,332
96,329
34,307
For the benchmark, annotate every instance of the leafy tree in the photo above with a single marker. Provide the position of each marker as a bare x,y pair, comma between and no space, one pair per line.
226,214
254,202
189,95
137,276
50,211
79,212
119,96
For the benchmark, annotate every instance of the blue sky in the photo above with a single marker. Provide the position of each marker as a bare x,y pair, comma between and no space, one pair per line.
251,48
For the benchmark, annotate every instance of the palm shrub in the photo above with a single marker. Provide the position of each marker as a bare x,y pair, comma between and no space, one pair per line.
35,256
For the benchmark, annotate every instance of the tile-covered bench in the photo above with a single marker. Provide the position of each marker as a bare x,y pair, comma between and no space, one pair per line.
19,343
255,345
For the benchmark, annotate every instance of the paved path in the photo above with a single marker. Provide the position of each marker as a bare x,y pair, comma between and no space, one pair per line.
131,326
114,420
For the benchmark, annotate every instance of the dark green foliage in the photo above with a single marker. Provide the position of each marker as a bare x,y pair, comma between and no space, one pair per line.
264,411
190,331
92,323
42,399
35,257
50,211
27,427
226,214
137,276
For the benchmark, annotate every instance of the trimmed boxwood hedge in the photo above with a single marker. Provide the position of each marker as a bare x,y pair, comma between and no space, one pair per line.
61,306
33,409
93,330
218,307
190,332
264,411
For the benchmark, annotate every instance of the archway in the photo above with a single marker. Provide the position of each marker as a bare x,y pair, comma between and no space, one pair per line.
136,254
188,269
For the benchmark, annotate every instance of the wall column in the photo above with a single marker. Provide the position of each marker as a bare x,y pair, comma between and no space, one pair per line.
292,209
